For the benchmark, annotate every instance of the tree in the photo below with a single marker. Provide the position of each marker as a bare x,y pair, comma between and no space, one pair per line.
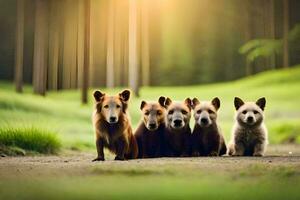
19,46
40,47
133,60
110,72
145,45
86,59
285,33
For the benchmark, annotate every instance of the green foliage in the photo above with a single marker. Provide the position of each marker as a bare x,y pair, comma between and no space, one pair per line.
261,48
16,140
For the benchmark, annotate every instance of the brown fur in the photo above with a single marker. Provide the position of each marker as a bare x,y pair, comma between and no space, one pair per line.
207,140
117,137
150,131
177,140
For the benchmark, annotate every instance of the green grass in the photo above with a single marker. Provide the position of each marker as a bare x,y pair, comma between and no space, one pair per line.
62,111
168,181
16,141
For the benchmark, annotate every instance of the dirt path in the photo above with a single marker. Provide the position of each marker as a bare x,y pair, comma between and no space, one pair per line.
77,164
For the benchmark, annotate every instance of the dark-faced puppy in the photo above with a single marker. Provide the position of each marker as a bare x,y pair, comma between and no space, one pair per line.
177,132
150,131
207,139
249,135
112,126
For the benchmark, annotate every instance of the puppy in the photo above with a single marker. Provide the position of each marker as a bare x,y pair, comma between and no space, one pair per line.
207,139
177,132
112,126
249,135
150,131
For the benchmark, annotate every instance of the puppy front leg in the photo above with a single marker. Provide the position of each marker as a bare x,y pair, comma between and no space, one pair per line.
121,146
259,149
100,146
239,149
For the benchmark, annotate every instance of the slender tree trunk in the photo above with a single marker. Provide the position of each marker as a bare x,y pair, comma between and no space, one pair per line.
272,31
145,45
285,33
80,43
40,48
248,10
133,60
110,68
53,45
19,46
85,76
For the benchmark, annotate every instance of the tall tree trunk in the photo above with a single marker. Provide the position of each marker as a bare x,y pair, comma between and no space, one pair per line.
19,46
133,60
272,31
145,44
285,33
80,43
85,76
53,44
248,10
110,68
40,48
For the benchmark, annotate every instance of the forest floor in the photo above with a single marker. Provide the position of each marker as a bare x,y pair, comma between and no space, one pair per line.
72,175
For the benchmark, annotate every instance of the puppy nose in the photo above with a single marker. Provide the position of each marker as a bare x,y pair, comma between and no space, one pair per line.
112,119
250,119
177,122
204,120
152,125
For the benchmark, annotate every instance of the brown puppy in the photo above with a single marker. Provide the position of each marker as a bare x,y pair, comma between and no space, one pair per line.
150,131
177,132
207,140
112,126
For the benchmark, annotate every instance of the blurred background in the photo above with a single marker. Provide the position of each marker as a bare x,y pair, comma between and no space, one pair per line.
54,53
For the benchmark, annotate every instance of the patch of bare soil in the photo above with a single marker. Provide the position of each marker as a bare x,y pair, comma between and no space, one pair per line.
79,164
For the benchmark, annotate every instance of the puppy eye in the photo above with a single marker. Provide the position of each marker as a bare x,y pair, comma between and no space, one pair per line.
106,106
184,112
255,112
171,112
118,106
199,111
147,113
210,111
244,112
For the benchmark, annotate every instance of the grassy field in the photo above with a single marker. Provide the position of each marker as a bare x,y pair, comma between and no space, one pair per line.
59,120
62,113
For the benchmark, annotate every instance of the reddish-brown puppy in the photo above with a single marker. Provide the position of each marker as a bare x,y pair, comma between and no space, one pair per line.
112,126
177,133
207,139
150,131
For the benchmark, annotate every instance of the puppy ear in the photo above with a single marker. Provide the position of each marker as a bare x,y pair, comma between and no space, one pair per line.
216,103
261,103
195,102
188,102
161,101
98,95
168,102
143,103
238,103
125,95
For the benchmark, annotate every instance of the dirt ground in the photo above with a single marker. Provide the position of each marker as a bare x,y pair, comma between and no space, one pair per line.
78,163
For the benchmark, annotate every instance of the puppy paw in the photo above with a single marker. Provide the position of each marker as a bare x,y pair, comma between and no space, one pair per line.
214,153
98,159
196,154
258,154
119,158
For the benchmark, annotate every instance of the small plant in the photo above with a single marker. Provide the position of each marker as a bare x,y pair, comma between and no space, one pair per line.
28,139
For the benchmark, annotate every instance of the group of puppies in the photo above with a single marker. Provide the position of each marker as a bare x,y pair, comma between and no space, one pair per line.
164,130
